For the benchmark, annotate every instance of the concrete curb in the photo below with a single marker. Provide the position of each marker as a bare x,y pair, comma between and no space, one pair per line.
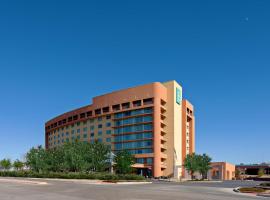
133,183
82,181
263,195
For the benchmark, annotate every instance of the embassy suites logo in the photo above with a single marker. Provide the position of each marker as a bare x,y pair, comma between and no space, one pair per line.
178,96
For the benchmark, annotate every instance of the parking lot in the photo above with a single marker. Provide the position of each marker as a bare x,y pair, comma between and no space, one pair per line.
38,189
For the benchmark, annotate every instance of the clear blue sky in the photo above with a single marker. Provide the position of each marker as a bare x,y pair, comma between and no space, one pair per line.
56,55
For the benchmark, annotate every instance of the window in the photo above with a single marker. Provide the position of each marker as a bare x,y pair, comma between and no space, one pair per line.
108,124
140,160
100,126
99,132
99,119
69,119
149,160
67,140
147,127
75,117
78,130
134,120
84,135
98,111
82,115
147,118
134,128
133,145
106,109
92,134
108,139
108,132
137,136
116,107
78,137
92,120
85,129
148,101
108,116
118,115
92,127
99,140
133,112
148,110
125,105
78,123
72,132
137,103
89,113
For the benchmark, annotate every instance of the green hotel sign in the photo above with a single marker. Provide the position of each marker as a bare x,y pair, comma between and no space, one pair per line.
178,96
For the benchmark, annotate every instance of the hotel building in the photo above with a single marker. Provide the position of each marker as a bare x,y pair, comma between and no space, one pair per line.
151,121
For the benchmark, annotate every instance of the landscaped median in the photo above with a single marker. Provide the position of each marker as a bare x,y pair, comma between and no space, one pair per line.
262,189
106,177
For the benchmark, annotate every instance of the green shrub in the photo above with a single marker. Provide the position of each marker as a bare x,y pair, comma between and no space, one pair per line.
72,175
260,172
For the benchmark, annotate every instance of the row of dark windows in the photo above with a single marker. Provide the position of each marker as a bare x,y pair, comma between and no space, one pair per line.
103,110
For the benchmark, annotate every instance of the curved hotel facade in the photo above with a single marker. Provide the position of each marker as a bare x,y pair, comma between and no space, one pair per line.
151,121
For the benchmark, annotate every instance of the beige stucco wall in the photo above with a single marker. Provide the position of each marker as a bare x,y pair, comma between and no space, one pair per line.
226,170
174,131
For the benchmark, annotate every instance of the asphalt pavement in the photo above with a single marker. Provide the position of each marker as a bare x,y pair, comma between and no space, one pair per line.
40,189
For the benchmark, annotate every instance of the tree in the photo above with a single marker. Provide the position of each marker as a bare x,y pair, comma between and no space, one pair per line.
18,165
237,174
80,156
73,156
99,156
191,164
204,162
260,172
70,157
124,160
36,158
6,164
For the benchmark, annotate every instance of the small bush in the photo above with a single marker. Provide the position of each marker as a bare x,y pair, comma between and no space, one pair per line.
260,172
72,175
